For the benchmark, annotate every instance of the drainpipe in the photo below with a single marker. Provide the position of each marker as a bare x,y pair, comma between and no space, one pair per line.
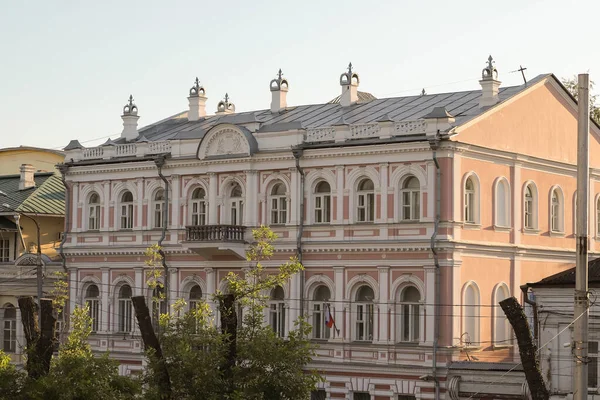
63,172
297,154
436,303
534,306
160,162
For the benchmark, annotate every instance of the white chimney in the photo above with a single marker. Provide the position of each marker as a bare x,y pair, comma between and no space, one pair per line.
130,118
279,89
27,172
489,85
349,82
225,107
197,102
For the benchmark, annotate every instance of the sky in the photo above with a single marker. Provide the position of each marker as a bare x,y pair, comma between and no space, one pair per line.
68,67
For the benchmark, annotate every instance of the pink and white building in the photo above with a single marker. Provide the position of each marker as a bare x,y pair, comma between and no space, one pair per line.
413,217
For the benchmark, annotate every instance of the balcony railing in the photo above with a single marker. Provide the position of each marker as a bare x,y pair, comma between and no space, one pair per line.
215,233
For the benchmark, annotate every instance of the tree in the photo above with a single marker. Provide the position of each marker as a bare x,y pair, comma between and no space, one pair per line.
11,380
572,86
236,362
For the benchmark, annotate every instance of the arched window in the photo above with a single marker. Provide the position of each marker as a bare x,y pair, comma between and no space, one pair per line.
125,309
277,311
530,207
470,201
556,211
10,328
322,203
94,212
365,209
364,313
501,325
92,300
598,217
195,297
410,310
127,210
321,309
278,203
411,194
198,204
502,204
159,306
159,198
236,205
471,304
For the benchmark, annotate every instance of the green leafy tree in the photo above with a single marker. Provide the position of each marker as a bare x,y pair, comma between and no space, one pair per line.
77,374
571,84
11,380
252,363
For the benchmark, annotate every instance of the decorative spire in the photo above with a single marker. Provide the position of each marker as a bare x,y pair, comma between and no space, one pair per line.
226,98
423,93
350,68
279,83
225,106
490,71
279,74
350,77
197,89
130,108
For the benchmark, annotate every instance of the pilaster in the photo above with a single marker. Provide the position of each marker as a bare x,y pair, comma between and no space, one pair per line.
106,220
104,305
175,196
383,174
210,289
339,217
516,203
139,281
174,286
73,286
251,200
429,301
294,208
75,213
384,296
140,208
212,198
339,310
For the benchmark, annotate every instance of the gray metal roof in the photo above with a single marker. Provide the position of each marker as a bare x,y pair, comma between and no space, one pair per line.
462,105
46,197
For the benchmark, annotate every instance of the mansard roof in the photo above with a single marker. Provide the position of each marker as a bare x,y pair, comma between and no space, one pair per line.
464,106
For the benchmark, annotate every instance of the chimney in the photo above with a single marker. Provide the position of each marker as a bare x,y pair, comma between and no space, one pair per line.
279,89
197,102
489,85
225,107
349,82
130,118
26,181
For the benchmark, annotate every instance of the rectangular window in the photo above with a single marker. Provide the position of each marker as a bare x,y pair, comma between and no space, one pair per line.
10,335
277,320
555,225
237,212
125,315
158,215
361,396
322,209
593,365
469,212
319,394
364,322
199,213
4,250
94,221
127,216
528,214
410,322
320,329
94,307
366,207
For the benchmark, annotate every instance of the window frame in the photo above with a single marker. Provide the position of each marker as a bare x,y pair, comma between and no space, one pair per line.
410,199
365,202
469,202
125,311
322,204
9,326
530,206
198,207
414,314
278,204
320,330
236,205
158,206
277,312
470,314
126,211
95,307
506,210
5,250
556,207
499,316
364,317
94,212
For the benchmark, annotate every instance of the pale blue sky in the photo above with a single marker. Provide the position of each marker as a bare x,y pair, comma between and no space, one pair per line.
68,67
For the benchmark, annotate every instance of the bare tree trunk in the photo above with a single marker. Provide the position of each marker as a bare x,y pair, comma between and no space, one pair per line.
39,347
527,348
229,332
151,342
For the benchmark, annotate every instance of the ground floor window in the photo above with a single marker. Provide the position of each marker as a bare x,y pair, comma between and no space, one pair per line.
318,395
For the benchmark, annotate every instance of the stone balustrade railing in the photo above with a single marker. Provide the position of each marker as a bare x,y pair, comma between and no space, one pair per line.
215,233
125,150
383,130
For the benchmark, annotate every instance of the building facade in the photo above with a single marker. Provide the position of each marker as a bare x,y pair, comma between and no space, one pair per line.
414,216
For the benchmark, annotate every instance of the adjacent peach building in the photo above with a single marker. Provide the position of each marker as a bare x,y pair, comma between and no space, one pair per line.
413,217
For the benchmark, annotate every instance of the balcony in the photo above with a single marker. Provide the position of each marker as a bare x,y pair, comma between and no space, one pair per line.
212,241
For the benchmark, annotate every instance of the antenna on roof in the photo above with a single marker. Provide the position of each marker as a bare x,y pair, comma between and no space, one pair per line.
522,71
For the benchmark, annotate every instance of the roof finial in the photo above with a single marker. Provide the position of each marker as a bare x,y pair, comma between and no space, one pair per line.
130,108
490,71
130,99
423,93
350,68
226,98
279,74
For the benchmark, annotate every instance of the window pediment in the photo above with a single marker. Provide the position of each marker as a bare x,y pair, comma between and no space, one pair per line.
225,141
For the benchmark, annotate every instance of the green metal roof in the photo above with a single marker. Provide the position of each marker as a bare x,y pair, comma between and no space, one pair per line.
47,197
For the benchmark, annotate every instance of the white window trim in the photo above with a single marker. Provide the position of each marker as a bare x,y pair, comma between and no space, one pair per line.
95,307
560,209
368,308
322,196
369,196
124,322
281,206
201,204
534,207
475,337
411,192
93,212
507,201
476,193
498,314
126,212
400,315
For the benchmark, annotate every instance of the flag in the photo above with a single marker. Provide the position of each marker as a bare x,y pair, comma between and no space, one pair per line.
329,321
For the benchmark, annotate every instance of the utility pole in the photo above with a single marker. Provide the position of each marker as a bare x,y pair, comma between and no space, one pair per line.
581,306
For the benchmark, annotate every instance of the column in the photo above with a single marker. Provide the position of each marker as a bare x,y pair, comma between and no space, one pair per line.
383,174
105,301
339,218
140,204
174,286
251,199
210,290
19,333
429,188
516,203
339,302
429,301
106,221
294,302
294,208
74,215
384,297
212,198
73,283
175,196
457,194
139,281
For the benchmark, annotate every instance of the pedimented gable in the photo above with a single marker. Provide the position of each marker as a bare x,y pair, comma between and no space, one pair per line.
226,140
540,122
